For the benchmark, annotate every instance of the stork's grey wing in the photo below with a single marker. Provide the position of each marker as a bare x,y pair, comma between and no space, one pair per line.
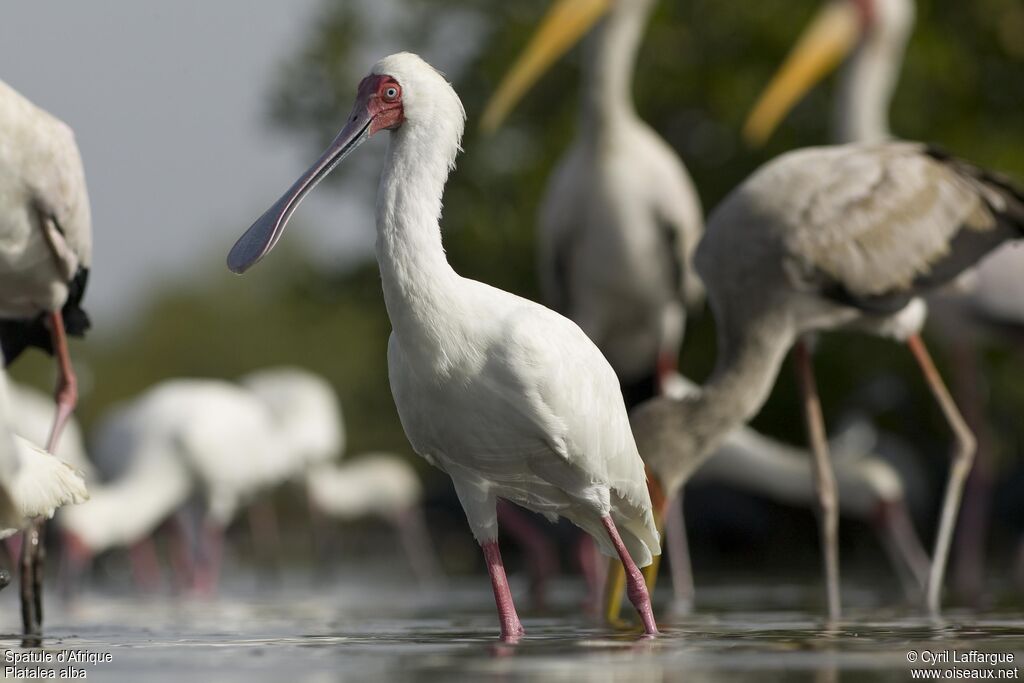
874,226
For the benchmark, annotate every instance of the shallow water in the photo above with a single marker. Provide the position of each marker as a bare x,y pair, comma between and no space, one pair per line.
369,628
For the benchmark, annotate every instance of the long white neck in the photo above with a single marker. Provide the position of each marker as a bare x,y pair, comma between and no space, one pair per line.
610,62
419,284
869,79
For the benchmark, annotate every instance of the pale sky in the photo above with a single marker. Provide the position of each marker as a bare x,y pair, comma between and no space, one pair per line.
167,100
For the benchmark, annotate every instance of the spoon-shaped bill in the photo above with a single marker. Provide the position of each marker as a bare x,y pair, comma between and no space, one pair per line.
263,235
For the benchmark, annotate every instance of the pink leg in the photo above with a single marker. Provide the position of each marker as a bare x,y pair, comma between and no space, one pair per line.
636,589
541,555
208,571
145,565
67,383
183,560
511,627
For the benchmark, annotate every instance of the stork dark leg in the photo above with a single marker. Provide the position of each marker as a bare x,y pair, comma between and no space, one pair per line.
511,627
824,479
33,555
678,548
636,589
31,602
963,458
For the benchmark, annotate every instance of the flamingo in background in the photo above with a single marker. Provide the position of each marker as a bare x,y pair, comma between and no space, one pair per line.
45,251
509,398
872,35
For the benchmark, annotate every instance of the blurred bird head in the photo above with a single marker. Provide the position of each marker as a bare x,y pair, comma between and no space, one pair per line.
838,28
564,25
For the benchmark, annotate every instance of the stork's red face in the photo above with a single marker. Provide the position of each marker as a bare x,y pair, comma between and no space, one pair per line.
378,107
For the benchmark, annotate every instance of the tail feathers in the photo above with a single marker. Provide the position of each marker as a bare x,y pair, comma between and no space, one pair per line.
44,483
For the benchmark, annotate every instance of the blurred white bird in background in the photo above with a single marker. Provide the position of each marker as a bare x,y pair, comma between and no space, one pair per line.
226,443
381,485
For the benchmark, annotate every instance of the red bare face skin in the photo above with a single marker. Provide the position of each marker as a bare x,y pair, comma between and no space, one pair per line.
867,12
383,97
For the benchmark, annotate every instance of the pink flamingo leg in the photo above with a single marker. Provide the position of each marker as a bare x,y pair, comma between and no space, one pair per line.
511,627
636,589
207,572
145,565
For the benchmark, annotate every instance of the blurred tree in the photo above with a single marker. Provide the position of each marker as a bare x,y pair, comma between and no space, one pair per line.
701,66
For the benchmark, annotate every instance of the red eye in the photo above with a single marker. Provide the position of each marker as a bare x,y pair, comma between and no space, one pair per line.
391,92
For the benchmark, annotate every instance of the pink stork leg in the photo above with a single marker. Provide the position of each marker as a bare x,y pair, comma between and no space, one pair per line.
511,627
636,589
963,458
145,565
824,479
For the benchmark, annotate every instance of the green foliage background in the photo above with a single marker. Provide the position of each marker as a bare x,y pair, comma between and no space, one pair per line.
701,66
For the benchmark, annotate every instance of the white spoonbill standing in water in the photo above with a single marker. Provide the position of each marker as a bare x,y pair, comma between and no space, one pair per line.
509,398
